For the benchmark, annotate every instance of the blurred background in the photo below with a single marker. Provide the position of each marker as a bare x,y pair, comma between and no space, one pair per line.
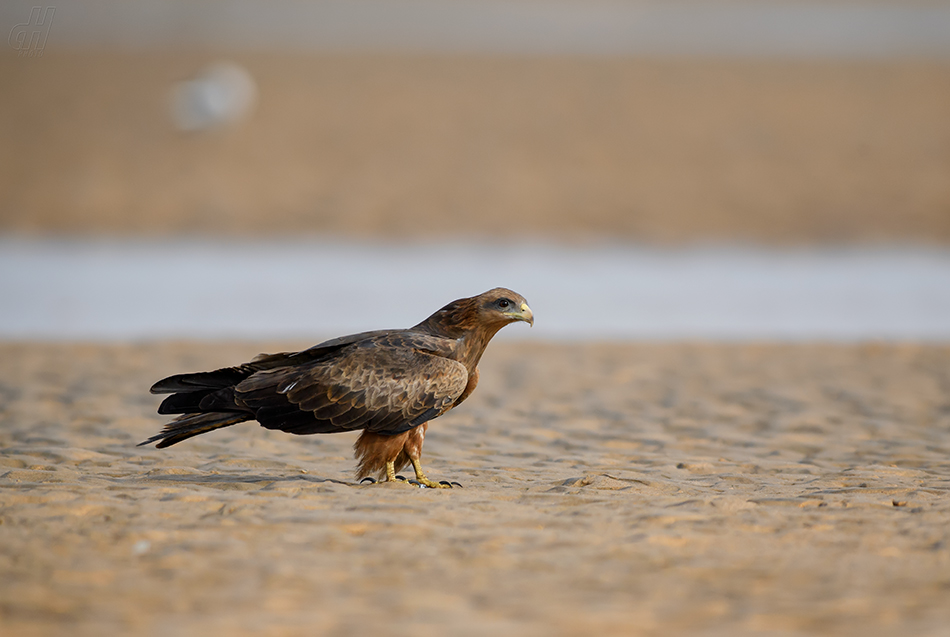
768,169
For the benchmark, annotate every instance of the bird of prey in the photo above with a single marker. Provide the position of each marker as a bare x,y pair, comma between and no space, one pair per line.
387,383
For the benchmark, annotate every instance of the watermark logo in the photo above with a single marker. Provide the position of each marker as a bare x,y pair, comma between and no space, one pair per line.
29,38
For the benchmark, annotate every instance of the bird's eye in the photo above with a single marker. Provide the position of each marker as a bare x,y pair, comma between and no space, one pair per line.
504,303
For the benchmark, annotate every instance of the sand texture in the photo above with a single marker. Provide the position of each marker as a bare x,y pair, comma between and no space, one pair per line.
655,151
615,490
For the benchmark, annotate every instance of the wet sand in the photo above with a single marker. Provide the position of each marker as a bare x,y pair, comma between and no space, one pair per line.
608,489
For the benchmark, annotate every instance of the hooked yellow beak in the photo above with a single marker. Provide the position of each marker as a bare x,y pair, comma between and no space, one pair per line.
525,314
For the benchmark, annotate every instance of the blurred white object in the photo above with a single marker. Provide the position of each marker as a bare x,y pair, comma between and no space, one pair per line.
141,547
221,94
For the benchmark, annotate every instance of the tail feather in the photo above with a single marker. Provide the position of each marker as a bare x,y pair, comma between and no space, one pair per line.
191,425
206,400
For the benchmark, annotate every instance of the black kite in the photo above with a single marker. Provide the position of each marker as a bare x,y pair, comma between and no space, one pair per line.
389,383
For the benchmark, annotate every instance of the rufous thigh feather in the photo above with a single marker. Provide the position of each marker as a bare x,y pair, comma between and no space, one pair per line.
374,450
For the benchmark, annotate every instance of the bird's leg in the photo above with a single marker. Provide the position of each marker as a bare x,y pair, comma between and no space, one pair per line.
391,472
413,451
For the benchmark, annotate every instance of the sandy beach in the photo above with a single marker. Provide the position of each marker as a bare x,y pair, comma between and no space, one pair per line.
651,490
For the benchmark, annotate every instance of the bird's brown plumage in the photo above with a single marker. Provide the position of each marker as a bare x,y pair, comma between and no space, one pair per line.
388,383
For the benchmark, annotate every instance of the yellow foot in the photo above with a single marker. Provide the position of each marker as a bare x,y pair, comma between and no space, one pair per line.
432,484
422,479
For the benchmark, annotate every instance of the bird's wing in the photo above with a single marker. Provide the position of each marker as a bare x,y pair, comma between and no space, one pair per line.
204,382
387,385
317,352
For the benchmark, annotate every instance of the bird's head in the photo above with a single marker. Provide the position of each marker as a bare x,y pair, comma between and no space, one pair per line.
481,315
501,306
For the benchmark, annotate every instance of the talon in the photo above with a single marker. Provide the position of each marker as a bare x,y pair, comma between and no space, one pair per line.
417,483
401,478
456,484
368,479
446,483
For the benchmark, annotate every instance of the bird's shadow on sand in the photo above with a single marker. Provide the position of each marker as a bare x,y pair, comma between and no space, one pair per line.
228,480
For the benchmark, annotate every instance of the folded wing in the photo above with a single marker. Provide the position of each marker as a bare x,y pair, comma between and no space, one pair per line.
385,385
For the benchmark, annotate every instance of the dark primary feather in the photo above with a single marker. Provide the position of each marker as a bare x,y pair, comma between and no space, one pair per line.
202,380
182,403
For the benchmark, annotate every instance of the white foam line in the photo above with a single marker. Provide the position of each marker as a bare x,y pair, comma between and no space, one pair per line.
104,290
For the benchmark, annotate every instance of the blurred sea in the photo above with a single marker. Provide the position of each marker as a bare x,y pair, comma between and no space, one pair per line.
117,290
